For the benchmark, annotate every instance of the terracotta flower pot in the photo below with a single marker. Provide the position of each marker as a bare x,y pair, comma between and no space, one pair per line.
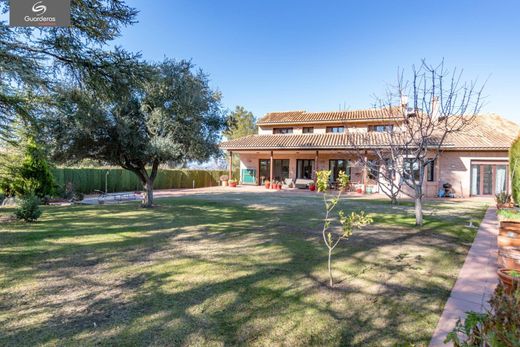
509,282
359,190
312,188
279,187
509,257
508,240
267,185
507,226
233,184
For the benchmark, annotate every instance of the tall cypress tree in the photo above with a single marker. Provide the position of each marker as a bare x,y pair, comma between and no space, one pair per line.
514,169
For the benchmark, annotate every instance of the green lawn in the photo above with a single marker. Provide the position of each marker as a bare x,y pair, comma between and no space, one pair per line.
227,269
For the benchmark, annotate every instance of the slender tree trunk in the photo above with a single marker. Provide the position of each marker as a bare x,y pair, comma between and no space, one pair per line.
418,211
330,267
148,194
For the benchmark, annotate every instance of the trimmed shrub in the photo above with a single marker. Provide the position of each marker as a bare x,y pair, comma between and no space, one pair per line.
28,208
514,168
86,180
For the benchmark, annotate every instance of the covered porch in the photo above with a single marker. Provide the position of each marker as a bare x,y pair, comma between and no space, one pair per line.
279,165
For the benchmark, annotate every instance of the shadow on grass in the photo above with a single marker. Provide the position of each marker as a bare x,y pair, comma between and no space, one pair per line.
196,271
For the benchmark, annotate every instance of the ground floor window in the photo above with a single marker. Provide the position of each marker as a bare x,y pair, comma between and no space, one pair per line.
305,168
337,165
280,169
411,169
372,170
488,179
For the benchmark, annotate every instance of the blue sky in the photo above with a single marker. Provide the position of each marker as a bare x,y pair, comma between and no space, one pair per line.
317,55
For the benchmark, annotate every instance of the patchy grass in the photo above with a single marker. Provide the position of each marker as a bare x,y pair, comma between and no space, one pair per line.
512,214
228,269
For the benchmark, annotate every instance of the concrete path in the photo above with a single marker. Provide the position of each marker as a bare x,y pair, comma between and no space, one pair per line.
477,279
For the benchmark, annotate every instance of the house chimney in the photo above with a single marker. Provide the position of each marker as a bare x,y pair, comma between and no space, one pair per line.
435,112
404,101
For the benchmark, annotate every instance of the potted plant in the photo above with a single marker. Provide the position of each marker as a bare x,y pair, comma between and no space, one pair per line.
510,279
279,186
312,186
224,179
509,257
274,184
233,183
267,184
503,200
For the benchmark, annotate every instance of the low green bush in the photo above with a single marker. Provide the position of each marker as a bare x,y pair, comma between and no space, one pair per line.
28,208
500,326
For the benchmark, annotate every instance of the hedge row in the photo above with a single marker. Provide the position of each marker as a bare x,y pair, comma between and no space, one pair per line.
86,180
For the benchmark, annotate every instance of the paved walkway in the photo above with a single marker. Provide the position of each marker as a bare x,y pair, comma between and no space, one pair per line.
477,279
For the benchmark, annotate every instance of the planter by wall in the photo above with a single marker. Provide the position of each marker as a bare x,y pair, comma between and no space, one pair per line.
224,183
509,257
508,240
510,283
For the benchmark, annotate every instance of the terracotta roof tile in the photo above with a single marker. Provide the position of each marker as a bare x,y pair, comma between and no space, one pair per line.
338,116
486,133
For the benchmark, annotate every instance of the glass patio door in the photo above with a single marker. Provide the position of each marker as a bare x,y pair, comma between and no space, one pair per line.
305,168
264,170
280,169
488,179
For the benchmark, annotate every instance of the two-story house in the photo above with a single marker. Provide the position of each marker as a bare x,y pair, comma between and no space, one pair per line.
296,144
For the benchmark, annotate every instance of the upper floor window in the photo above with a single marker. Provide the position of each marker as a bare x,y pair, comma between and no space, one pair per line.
335,129
308,130
430,170
381,128
282,130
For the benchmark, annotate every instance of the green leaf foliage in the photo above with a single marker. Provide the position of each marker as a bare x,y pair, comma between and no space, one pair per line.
499,326
31,174
28,208
514,162
36,61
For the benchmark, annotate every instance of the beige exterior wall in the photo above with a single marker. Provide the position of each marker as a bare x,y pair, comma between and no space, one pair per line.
452,166
455,168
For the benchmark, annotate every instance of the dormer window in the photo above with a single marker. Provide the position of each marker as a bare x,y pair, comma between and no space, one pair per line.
282,130
335,129
383,128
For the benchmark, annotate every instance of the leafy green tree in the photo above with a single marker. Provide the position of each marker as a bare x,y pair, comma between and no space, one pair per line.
156,114
514,162
348,223
240,123
35,61
29,173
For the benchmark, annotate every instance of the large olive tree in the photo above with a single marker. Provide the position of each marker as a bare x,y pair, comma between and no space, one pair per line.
153,114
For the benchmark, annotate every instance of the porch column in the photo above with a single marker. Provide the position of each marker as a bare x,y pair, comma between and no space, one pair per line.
316,166
365,179
230,164
271,168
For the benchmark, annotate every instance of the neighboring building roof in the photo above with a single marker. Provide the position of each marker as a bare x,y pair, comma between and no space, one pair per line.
486,133
303,117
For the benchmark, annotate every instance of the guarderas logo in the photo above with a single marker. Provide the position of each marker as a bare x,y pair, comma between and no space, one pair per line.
39,8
